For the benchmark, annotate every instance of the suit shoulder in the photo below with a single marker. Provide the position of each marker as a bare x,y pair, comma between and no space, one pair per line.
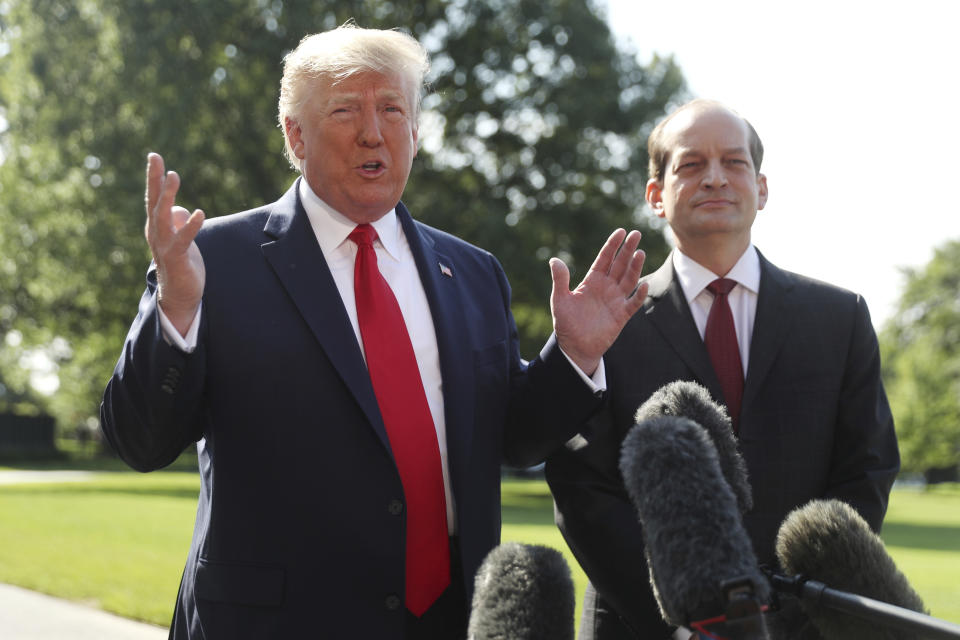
820,288
447,243
817,295
254,219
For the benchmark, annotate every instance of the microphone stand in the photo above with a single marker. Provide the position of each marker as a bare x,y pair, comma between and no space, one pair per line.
817,594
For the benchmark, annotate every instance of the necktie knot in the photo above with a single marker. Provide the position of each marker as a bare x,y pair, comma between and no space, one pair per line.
363,235
721,286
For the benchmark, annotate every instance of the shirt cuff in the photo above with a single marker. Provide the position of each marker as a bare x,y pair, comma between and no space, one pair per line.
597,382
185,343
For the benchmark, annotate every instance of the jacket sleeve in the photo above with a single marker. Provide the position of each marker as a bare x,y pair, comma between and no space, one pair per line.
151,409
865,458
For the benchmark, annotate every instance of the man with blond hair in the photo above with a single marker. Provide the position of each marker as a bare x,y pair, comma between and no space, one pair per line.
805,398
351,377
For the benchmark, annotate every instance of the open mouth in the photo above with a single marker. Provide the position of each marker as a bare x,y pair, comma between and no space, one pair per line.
372,166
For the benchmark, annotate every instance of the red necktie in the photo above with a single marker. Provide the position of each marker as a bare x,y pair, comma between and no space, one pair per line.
406,415
721,340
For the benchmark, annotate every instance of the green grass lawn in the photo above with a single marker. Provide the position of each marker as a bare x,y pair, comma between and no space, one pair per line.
120,540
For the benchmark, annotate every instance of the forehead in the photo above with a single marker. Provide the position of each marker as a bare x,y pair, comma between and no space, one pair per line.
364,84
706,130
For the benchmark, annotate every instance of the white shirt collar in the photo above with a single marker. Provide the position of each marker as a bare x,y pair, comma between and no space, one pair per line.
694,277
332,227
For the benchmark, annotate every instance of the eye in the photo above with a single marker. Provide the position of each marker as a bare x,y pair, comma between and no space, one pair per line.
393,113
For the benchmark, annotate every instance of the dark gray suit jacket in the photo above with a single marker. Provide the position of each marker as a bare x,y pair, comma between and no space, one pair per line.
300,523
814,423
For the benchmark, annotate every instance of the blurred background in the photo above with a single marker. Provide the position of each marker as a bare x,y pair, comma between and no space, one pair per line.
532,145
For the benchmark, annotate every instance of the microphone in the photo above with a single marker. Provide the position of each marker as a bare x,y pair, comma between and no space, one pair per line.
827,541
702,565
522,592
691,400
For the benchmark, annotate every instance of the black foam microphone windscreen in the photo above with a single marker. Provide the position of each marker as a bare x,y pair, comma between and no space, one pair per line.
691,400
692,530
828,541
522,592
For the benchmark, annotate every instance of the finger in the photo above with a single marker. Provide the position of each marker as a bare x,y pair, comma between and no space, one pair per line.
154,180
625,256
604,259
635,301
159,224
628,282
560,275
188,230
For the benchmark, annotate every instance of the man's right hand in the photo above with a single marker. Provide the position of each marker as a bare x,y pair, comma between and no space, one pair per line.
170,232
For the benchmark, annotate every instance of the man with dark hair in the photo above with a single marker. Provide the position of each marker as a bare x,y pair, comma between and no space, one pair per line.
794,360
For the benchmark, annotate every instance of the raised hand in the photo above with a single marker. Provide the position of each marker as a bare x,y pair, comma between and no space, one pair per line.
588,319
170,232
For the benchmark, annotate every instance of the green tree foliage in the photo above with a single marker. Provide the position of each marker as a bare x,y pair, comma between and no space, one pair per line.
532,146
921,363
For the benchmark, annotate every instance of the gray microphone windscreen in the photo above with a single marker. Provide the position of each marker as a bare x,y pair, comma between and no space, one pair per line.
522,592
691,400
829,542
692,529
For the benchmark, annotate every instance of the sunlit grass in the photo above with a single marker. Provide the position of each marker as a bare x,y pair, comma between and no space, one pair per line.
922,533
117,542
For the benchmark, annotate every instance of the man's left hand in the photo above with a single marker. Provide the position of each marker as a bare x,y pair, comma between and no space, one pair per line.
588,319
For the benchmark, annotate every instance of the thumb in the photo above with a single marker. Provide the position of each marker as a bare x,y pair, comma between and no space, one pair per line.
561,277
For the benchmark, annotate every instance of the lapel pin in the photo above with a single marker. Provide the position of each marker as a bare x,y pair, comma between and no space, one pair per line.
445,270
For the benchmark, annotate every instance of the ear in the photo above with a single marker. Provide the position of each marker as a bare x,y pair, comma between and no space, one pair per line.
761,191
416,140
294,136
655,196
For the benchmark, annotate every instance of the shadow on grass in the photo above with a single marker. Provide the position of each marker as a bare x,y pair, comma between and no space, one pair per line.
86,489
920,536
187,461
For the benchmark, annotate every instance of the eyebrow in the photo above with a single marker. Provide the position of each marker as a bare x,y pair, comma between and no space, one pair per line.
385,94
696,152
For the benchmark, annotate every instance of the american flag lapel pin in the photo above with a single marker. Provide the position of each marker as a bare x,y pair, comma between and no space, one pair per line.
445,270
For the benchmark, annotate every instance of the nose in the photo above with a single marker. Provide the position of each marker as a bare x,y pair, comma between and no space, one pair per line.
369,133
714,176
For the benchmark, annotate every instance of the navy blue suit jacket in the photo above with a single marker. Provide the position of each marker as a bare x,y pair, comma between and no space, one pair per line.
300,522
814,423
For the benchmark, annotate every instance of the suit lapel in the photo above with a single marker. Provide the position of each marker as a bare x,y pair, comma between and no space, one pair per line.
776,310
669,312
438,274
291,249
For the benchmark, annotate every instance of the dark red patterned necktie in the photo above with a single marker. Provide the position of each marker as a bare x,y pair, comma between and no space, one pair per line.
721,340
406,415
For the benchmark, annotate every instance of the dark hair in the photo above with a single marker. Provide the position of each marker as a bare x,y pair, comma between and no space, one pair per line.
659,154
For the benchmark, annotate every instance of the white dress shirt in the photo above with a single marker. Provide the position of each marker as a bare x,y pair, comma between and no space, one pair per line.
694,279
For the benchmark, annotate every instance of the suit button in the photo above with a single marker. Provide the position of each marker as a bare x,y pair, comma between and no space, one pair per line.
167,388
392,602
395,507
